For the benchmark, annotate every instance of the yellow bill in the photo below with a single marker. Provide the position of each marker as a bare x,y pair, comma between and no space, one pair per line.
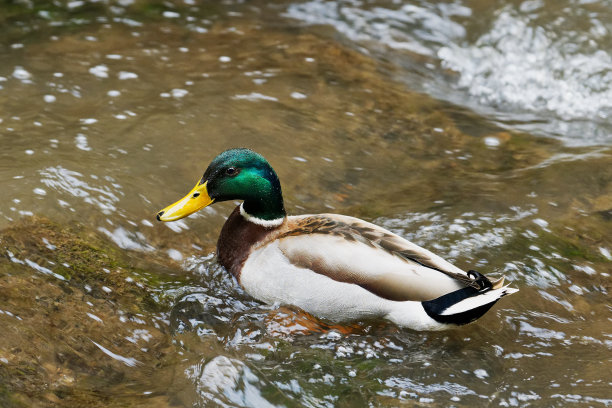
197,199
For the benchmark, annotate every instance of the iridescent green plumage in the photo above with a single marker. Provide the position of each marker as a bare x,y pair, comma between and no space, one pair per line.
242,174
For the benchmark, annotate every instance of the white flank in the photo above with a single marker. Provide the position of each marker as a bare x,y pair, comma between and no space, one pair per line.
478,300
269,276
259,221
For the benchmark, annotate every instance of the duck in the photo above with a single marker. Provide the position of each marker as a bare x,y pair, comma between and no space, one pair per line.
335,267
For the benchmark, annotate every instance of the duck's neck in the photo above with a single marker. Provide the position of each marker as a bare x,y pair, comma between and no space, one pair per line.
267,208
277,219
237,239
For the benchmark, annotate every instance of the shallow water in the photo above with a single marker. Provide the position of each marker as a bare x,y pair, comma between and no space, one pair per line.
409,116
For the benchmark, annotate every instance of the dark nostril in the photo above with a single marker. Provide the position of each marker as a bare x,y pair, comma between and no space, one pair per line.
159,214
196,195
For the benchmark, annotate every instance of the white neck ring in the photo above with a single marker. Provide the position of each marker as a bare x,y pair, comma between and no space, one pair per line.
264,223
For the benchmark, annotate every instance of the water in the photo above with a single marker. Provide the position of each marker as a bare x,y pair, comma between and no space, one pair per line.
543,67
412,116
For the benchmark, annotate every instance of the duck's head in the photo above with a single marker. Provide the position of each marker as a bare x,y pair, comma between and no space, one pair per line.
235,174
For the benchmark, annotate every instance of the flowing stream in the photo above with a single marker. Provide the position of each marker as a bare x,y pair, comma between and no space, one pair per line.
480,130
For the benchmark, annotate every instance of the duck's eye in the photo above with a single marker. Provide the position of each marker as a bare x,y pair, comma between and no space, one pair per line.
230,171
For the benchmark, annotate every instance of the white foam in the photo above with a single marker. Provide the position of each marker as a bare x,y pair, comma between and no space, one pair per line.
528,67
101,71
531,68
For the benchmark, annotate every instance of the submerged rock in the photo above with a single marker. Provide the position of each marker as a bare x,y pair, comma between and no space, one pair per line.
77,320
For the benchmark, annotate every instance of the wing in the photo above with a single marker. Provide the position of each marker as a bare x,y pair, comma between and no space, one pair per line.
351,250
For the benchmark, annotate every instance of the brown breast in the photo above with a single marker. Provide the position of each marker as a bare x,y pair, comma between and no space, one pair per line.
237,239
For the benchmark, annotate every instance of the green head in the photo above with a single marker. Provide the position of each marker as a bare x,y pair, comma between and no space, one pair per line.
235,174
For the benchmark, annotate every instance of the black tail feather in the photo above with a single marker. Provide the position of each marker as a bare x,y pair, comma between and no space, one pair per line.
434,308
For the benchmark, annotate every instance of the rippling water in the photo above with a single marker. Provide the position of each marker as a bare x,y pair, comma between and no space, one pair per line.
479,130
539,66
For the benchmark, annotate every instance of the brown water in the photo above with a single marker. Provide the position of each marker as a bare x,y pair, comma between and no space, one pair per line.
110,112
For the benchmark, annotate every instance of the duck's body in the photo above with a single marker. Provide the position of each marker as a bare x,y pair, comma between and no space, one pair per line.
332,266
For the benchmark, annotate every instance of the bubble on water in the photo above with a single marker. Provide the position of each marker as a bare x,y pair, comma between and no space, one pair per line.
481,373
29,152
178,93
88,121
174,254
49,98
114,56
101,71
39,191
298,95
491,141
113,93
225,58
123,75
75,4
171,14
81,142
21,74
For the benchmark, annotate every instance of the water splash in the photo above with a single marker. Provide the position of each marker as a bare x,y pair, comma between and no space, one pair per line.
532,68
538,69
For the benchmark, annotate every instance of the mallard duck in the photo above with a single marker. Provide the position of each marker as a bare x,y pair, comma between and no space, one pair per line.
335,267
